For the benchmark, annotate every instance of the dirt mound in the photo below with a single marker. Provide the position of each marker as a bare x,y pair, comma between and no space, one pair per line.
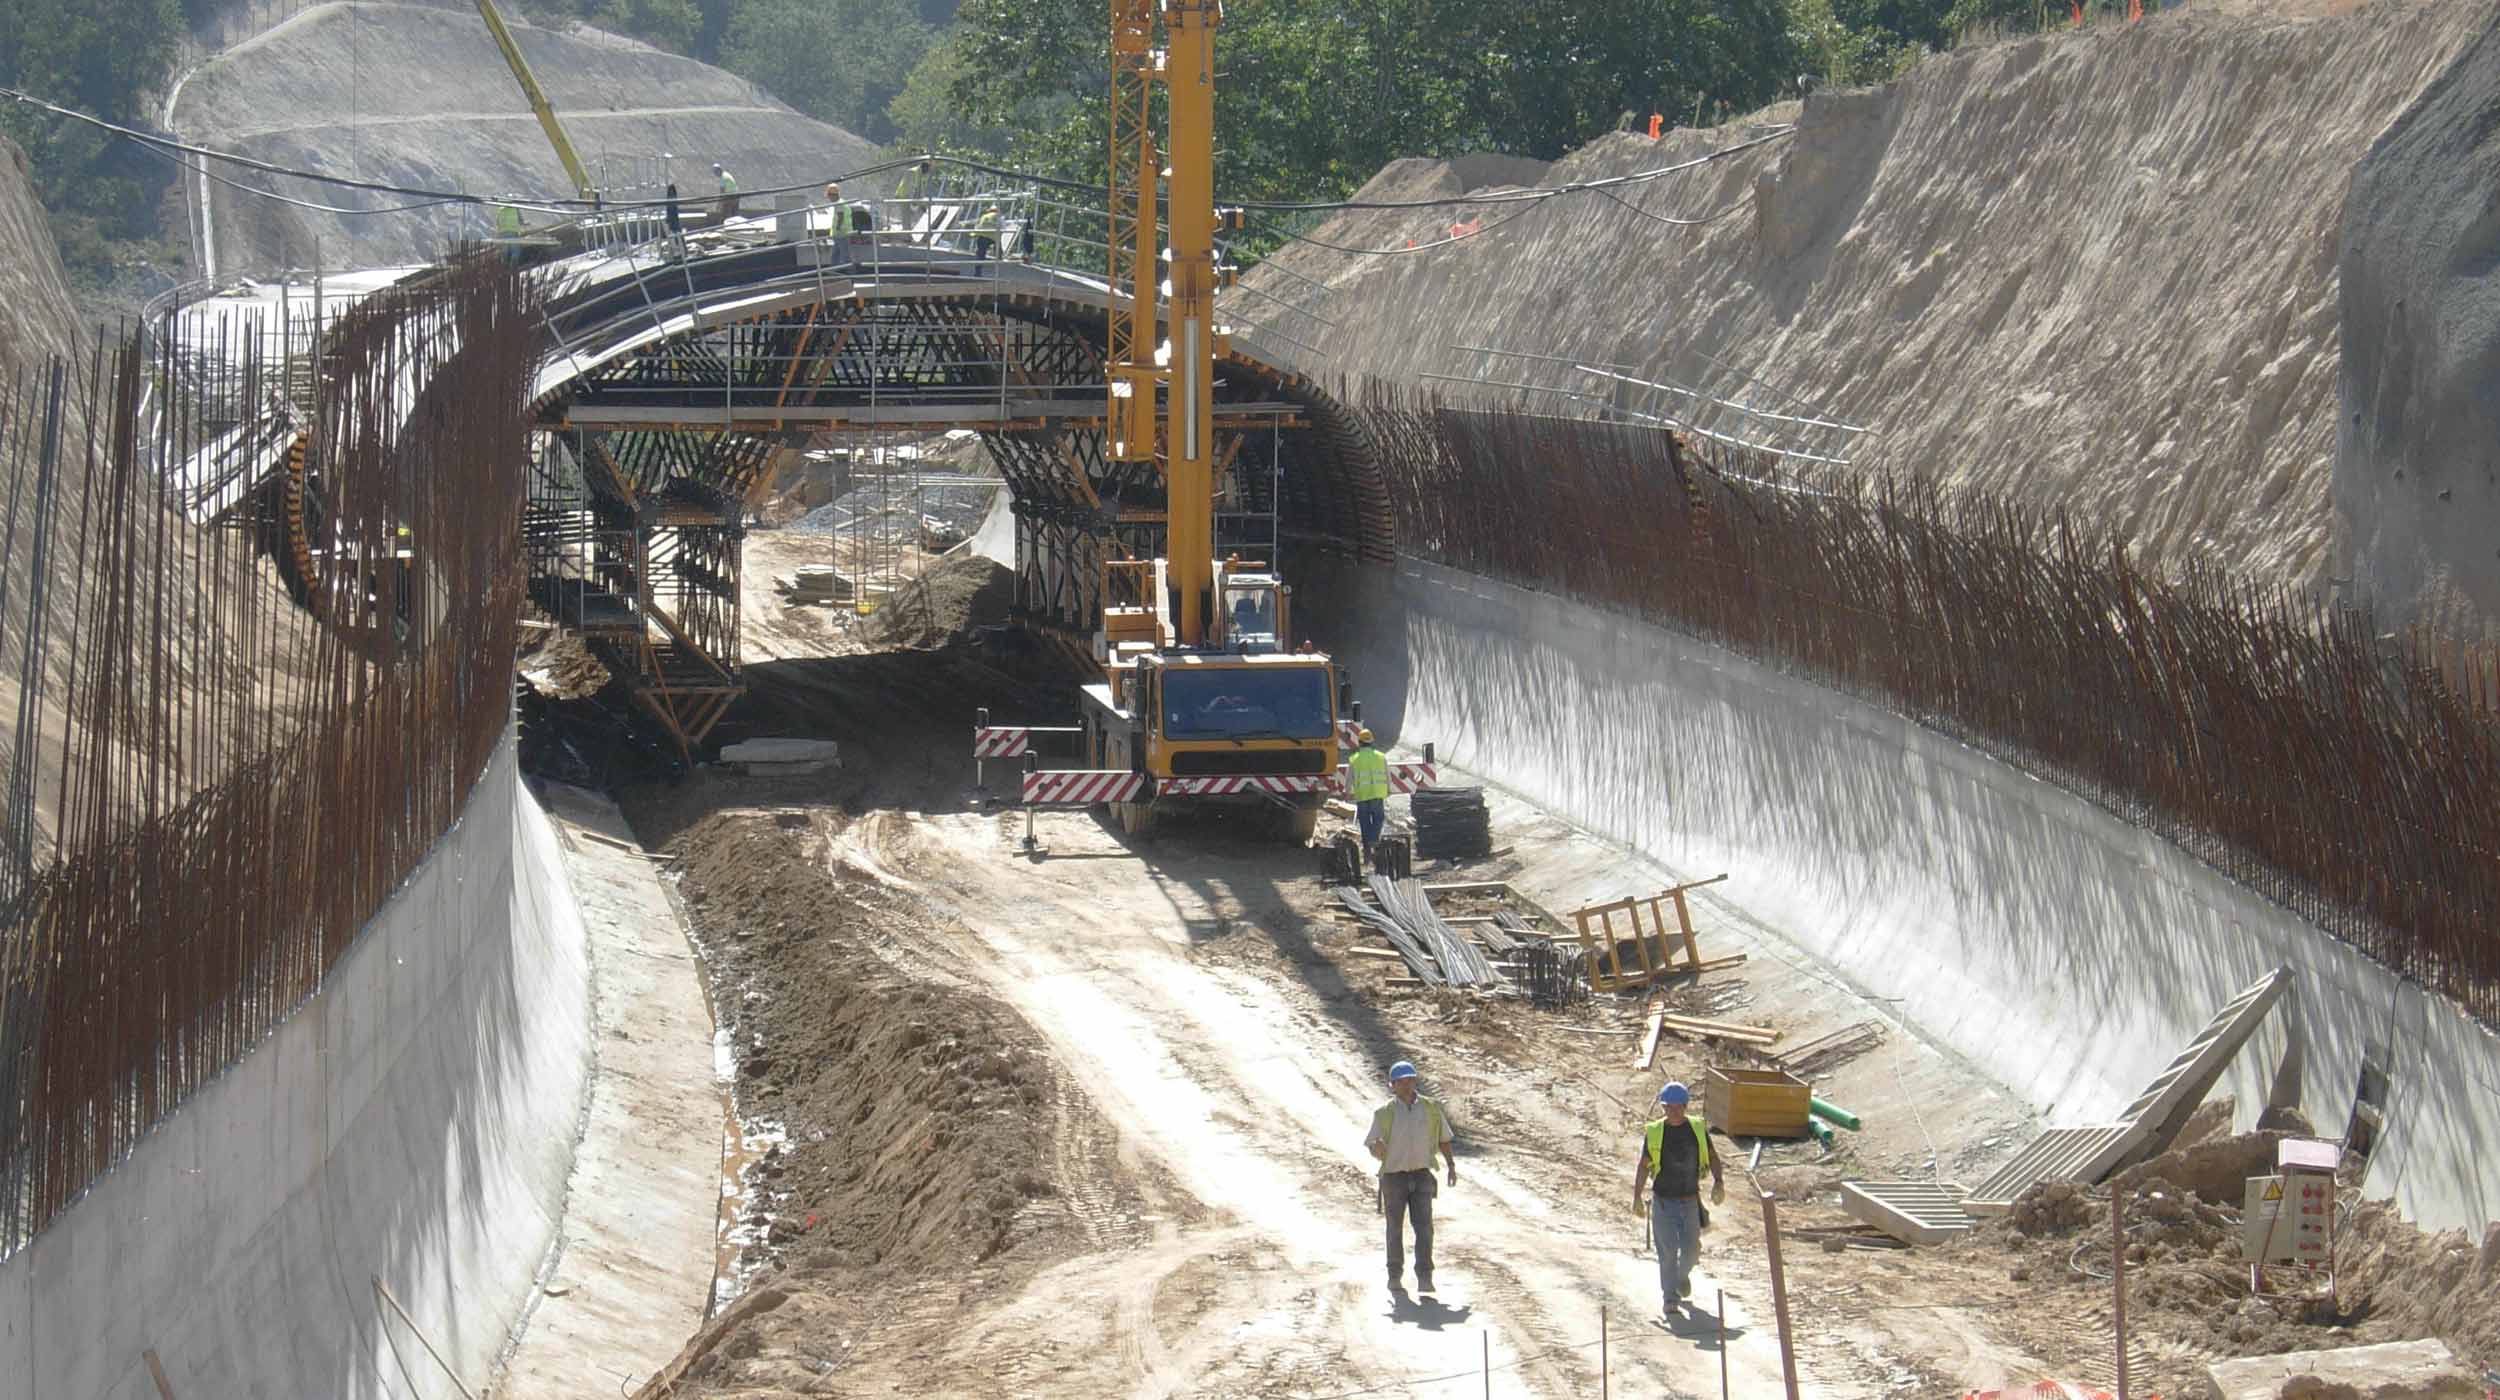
918,1114
945,604
2187,1283
2095,271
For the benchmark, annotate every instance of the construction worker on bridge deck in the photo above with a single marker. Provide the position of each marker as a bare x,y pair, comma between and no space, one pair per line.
1675,1147
985,235
1406,1131
1367,778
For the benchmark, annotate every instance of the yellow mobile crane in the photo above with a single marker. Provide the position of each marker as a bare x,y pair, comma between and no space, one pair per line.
1202,693
537,98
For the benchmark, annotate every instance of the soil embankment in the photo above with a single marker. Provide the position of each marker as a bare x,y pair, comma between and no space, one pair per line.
37,318
419,97
2096,272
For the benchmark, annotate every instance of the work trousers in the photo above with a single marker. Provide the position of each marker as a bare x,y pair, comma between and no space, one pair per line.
1404,1195
1372,813
1675,1228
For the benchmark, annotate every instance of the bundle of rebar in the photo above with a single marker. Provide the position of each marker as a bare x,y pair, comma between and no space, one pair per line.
1452,824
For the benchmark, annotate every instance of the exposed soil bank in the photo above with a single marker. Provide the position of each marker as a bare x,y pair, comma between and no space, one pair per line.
2094,271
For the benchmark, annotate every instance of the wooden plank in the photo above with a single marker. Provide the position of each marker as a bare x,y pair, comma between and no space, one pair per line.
156,1373
1756,1038
1471,887
1375,953
1649,1037
1727,1027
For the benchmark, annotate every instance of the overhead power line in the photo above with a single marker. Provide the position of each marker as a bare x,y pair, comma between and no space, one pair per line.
569,204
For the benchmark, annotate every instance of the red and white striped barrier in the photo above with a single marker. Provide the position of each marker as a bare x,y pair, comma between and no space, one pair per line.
1001,741
1081,787
1406,777
1349,734
1273,782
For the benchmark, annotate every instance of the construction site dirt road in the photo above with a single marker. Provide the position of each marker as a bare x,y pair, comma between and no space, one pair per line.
1089,1121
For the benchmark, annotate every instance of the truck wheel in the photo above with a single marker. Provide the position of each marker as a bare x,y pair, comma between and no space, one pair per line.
1136,818
1296,825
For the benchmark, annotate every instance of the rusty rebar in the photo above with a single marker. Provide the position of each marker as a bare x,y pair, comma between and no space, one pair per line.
222,762
2283,740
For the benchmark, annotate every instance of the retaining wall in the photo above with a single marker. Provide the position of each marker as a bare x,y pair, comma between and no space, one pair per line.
2069,952
413,1122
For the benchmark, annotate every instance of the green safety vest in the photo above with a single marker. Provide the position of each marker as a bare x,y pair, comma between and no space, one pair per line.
1656,1132
1370,770
1434,1127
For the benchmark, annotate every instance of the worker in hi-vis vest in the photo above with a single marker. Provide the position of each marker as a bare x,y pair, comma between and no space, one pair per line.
1675,1149
1367,773
1406,1131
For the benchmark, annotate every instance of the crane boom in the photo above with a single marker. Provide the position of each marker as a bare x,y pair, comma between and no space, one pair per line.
537,96
1189,426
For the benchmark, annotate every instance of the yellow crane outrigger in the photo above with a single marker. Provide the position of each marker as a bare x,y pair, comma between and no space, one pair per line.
537,99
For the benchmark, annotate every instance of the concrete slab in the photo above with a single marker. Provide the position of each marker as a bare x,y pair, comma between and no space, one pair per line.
628,1283
2423,1370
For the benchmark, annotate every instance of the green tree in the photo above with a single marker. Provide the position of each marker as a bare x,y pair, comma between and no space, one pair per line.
841,61
102,56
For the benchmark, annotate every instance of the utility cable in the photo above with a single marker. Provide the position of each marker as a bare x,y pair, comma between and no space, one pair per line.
1409,248
314,205
575,203
1669,219
556,205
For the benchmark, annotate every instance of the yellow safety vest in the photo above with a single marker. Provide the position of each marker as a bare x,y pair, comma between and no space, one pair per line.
1656,1133
1432,1123
1370,770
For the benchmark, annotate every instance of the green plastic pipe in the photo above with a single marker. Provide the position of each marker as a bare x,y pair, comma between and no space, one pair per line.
1832,1113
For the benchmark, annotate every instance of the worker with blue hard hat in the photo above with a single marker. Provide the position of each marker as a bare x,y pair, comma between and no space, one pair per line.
1405,1133
1675,1148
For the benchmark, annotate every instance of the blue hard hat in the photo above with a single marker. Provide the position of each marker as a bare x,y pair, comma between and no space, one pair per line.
1675,1092
1403,1069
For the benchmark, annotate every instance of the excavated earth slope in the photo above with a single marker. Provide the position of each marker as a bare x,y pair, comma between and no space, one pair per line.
37,318
2096,271
419,97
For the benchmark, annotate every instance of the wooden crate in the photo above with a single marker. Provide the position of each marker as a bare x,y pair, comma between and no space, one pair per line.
1756,1102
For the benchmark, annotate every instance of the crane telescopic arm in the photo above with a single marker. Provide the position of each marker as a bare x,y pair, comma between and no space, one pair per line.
1183,367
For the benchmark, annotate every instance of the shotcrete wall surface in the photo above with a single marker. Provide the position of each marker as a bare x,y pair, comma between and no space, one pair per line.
412,1124
2070,953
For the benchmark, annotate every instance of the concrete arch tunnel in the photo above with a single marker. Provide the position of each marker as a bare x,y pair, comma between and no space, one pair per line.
672,392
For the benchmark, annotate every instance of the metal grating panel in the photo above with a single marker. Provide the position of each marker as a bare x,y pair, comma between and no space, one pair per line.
1915,1212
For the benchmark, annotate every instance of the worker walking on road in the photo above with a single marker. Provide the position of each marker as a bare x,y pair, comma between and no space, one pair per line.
1674,1150
1367,774
1406,1131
